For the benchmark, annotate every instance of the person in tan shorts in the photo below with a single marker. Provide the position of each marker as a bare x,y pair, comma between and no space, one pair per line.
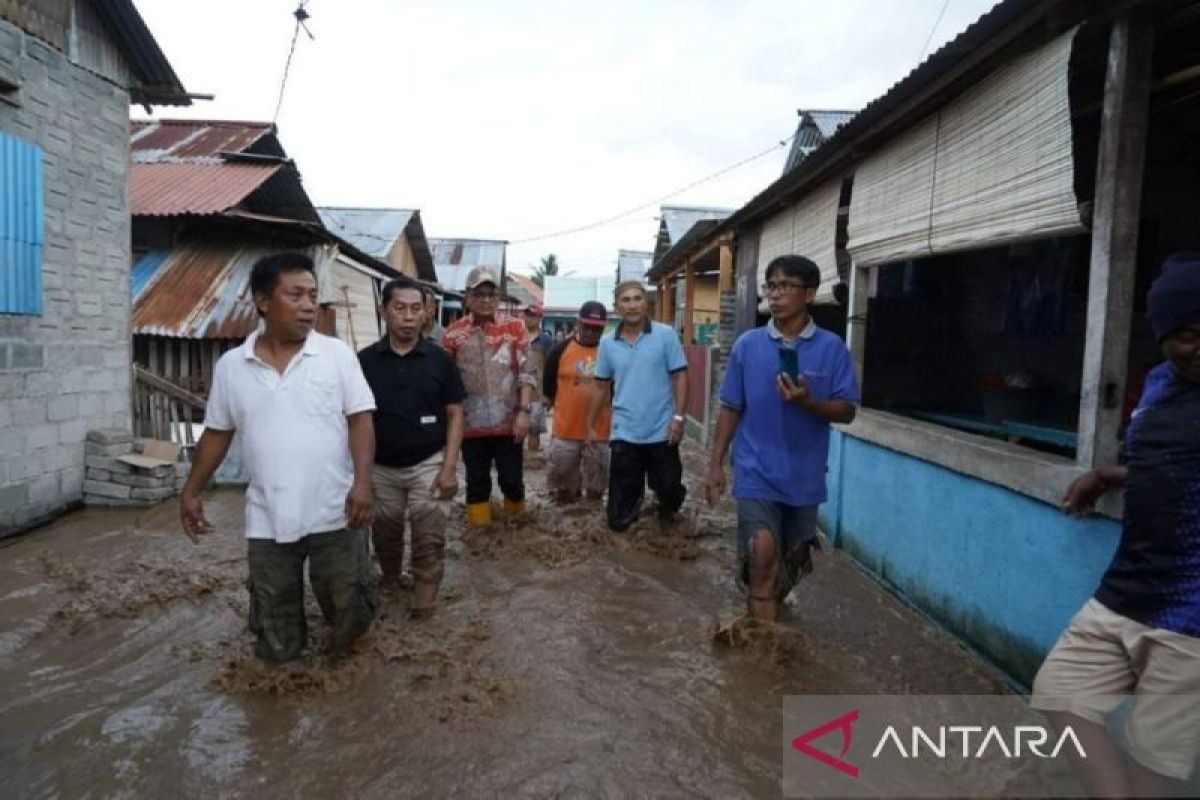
1138,637
418,433
576,465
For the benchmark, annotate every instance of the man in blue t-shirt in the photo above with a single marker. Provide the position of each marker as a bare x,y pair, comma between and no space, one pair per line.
1139,634
784,384
644,367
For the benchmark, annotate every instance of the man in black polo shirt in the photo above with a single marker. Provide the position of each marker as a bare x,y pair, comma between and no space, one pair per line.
418,432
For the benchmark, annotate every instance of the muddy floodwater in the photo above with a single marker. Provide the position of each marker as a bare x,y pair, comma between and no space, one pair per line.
563,660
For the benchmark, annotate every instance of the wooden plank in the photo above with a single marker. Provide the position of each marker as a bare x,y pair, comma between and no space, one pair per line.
856,317
725,283
689,301
1115,218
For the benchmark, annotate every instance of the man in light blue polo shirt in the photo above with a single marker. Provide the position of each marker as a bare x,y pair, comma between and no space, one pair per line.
643,366
784,384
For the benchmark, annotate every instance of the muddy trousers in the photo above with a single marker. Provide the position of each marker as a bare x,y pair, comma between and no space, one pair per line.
479,453
406,493
339,570
575,466
630,468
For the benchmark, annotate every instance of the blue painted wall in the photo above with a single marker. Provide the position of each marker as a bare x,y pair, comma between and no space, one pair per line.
1001,570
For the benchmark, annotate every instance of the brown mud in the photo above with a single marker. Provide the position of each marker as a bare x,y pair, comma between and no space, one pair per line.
563,659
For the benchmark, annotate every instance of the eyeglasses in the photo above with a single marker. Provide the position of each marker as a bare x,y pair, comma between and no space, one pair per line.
771,287
484,294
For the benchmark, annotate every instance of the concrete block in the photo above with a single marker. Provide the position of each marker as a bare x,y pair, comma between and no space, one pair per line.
105,489
98,474
61,457
72,431
107,463
39,436
41,384
110,436
44,489
30,466
114,502
96,449
90,404
22,355
139,481
63,407
154,495
71,483
28,411
14,496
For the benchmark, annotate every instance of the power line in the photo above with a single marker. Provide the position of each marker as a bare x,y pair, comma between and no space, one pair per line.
301,15
929,38
616,217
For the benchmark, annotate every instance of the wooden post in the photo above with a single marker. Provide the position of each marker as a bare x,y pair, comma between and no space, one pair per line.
689,300
1115,220
856,317
725,284
670,295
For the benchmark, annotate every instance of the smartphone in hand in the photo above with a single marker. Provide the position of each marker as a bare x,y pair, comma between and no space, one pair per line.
789,363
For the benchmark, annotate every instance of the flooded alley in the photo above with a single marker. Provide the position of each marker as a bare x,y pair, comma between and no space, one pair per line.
564,660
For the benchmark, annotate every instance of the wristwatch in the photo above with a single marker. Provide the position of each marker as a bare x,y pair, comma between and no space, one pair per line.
677,418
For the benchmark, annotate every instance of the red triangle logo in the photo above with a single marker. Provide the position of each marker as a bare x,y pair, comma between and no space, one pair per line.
844,724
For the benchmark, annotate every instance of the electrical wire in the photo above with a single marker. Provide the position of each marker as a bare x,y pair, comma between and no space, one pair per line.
929,38
617,217
301,15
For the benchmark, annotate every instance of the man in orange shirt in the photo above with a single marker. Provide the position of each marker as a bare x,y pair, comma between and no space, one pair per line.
567,385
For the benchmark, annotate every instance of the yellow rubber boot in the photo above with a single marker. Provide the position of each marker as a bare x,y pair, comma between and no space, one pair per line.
479,515
514,508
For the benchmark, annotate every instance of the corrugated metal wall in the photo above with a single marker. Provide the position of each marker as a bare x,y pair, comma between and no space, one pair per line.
22,233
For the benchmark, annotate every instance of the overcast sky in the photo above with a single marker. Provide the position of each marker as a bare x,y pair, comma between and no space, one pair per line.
512,120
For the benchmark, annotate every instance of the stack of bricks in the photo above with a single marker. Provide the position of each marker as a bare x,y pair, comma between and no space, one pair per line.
118,475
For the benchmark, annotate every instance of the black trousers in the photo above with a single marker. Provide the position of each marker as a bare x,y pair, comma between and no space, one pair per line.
631,466
480,453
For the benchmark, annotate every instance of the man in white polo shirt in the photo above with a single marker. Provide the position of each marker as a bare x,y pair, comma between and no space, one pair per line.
303,409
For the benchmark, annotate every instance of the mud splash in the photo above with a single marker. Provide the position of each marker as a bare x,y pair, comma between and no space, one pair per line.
128,590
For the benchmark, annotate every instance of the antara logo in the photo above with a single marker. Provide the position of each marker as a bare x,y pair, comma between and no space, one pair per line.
947,741
844,724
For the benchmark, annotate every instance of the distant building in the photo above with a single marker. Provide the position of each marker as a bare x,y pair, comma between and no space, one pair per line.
632,265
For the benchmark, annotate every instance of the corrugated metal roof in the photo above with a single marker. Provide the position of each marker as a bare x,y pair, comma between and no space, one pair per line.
165,189
195,141
455,258
687,244
523,289
157,82
372,230
199,291
680,219
676,221
812,130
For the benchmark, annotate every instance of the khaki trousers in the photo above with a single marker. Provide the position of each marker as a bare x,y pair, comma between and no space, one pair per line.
405,494
575,466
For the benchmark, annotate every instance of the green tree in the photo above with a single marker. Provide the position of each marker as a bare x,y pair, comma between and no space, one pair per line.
549,266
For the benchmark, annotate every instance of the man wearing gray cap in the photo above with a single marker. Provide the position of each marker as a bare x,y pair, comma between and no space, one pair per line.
490,350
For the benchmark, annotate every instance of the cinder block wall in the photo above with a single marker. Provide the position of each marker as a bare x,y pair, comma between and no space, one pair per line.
68,370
